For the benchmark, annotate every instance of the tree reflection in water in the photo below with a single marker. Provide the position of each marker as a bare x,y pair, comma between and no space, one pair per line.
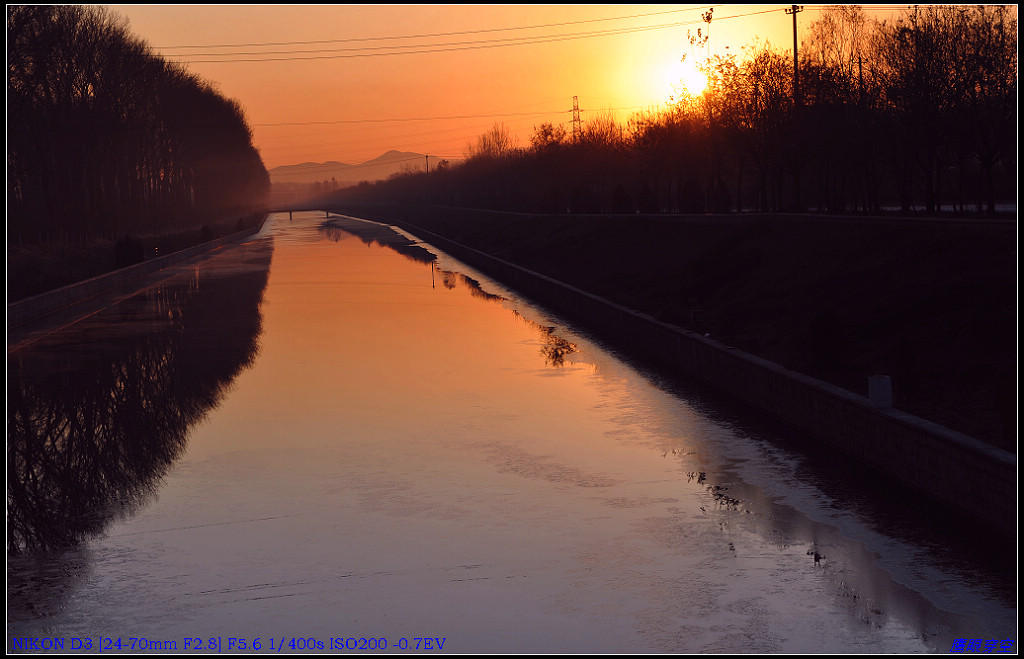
336,228
95,421
555,348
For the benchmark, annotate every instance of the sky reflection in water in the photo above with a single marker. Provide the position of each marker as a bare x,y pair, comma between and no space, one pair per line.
409,453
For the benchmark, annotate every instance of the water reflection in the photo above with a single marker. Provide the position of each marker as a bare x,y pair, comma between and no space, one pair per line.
94,423
726,469
338,227
458,484
472,284
555,348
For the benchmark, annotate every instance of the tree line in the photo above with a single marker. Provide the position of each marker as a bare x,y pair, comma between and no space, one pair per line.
917,113
104,136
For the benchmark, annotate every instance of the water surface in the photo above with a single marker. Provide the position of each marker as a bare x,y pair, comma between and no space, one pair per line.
314,436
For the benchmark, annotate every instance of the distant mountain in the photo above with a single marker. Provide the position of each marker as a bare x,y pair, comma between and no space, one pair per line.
377,169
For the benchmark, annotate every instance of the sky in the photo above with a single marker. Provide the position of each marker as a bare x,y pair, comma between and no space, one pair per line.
350,82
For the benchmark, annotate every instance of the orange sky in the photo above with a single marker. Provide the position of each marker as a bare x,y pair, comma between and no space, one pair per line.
349,103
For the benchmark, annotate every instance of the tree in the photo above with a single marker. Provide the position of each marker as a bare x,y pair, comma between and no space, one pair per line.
546,136
949,76
105,135
889,110
987,116
839,95
839,40
603,130
765,82
495,143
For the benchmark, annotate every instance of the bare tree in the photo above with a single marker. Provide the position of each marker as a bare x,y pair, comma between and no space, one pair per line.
603,130
495,143
547,135
839,40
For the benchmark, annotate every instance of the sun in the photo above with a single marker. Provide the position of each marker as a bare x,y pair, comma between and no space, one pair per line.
684,76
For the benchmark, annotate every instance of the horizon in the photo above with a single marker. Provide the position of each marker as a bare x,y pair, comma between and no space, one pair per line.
357,164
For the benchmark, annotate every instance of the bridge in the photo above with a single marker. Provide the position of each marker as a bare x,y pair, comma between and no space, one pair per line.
296,209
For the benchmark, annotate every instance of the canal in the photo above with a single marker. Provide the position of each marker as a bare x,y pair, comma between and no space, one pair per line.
313,437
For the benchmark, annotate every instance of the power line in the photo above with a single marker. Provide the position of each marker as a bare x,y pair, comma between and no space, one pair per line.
498,29
863,7
419,142
412,142
467,45
442,47
491,30
440,118
430,35
398,49
469,131
421,49
395,119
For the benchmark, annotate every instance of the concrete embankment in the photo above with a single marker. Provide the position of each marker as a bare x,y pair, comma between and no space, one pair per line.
931,302
38,307
959,471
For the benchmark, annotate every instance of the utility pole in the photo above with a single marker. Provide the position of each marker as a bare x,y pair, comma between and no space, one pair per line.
577,129
797,156
794,10
860,77
428,163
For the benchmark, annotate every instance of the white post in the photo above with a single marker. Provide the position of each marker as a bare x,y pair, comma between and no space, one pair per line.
880,390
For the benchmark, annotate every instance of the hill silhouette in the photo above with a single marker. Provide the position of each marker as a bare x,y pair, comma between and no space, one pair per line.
379,168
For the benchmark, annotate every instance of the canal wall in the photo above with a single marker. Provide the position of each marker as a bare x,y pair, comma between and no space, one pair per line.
38,306
959,471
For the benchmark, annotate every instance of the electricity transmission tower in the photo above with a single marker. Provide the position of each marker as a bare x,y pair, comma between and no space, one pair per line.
577,128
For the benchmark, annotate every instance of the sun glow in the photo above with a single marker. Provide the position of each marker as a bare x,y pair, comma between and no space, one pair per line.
684,77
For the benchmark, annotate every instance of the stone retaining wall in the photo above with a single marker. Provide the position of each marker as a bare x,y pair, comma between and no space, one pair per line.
38,306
